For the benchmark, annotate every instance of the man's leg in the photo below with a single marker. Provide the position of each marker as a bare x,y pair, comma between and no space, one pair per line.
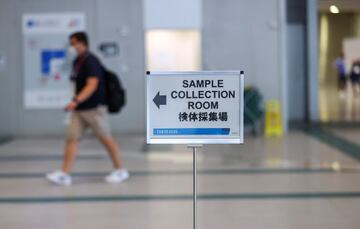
75,128
119,174
113,150
99,123
69,154
74,132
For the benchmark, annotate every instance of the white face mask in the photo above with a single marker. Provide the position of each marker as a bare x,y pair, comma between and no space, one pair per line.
72,52
357,70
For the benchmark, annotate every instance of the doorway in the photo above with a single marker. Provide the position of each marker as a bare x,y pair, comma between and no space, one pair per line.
339,38
173,50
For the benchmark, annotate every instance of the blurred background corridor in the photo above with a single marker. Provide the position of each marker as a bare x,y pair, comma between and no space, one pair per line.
304,55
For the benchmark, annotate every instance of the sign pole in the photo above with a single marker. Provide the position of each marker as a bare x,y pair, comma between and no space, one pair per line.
203,107
194,187
194,150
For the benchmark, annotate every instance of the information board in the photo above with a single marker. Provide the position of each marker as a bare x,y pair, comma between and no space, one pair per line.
47,64
195,107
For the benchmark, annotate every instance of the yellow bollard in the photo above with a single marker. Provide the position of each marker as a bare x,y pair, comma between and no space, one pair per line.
273,126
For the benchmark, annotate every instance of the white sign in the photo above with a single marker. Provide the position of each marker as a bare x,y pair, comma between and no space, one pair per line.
47,64
195,107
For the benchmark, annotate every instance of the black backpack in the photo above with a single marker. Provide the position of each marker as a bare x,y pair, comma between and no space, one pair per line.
115,93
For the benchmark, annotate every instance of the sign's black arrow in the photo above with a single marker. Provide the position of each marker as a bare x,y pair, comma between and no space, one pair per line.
159,99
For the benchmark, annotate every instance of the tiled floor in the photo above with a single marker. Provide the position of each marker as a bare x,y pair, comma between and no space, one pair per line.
338,107
349,134
292,182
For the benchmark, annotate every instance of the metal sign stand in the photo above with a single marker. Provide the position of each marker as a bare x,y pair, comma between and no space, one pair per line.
194,149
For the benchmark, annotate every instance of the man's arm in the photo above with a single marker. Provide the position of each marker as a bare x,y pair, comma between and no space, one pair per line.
88,90
90,87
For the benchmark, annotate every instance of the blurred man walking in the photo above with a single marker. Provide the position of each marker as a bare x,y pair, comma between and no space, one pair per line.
87,109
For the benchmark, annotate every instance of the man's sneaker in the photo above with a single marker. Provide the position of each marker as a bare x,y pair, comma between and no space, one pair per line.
59,178
117,176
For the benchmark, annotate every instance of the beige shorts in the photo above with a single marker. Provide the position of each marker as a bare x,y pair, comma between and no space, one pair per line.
96,119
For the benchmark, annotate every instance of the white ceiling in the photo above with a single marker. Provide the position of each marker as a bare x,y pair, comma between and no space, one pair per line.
344,5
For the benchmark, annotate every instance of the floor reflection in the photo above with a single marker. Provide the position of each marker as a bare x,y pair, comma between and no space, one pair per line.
335,106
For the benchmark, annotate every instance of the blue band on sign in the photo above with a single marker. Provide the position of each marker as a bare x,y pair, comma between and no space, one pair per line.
191,131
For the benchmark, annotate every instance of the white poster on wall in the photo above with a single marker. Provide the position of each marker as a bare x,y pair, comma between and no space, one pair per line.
47,64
